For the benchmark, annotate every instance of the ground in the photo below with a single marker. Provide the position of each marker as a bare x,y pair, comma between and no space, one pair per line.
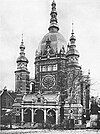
38,131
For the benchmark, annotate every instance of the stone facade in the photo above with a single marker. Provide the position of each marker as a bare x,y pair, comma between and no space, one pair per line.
59,86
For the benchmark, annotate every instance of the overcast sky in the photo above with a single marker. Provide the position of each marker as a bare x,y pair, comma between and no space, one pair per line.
31,17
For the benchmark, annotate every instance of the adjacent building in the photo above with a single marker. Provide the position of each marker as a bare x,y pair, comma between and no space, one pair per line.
6,102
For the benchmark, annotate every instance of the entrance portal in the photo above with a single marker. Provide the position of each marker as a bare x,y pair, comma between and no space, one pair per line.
51,116
39,116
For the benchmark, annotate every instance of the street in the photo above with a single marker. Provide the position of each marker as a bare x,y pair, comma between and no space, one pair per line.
39,131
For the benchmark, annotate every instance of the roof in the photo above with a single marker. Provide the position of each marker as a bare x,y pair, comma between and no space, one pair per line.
29,97
72,51
22,59
57,41
1,91
16,104
47,97
51,97
12,94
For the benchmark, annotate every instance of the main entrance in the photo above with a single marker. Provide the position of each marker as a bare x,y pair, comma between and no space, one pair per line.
39,116
51,116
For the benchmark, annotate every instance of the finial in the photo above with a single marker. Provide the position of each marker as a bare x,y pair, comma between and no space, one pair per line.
53,21
5,88
22,47
22,53
89,72
53,2
22,39
72,38
72,28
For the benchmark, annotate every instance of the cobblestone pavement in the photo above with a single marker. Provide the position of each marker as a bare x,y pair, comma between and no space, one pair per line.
38,131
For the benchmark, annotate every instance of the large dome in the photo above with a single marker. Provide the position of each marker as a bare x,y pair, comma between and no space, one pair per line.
57,41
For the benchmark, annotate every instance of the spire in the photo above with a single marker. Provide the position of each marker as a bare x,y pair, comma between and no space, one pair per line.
22,53
53,21
72,47
22,47
72,38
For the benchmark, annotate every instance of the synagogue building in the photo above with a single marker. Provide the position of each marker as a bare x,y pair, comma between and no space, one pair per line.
59,86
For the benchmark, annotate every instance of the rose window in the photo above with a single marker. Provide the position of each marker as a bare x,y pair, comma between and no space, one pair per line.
48,81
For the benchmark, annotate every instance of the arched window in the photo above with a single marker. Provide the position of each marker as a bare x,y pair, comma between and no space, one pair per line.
43,68
49,68
55,67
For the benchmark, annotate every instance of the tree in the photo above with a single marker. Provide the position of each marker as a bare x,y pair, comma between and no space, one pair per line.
7,118
63,93
73,89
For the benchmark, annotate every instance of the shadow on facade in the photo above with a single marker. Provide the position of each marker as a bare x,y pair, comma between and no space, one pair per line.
39,116
27,115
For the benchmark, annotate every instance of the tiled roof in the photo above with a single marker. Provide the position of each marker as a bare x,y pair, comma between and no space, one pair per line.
51,97
16,104
29,97
13,94
57,41
10,93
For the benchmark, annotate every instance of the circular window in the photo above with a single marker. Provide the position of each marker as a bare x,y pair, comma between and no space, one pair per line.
48,81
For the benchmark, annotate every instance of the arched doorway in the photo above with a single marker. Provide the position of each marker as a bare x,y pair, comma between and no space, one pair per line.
51,116
27,115
39,116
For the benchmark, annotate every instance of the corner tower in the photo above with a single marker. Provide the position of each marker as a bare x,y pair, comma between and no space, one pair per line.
72,54
22,73
73,70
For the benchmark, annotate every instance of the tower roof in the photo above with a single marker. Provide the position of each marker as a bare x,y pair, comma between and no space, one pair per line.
72,38
53,21
22,57
57,41
72,46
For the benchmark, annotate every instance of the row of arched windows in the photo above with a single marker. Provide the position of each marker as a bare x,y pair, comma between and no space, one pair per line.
48,68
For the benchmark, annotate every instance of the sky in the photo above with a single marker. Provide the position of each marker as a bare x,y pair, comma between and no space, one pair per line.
32,17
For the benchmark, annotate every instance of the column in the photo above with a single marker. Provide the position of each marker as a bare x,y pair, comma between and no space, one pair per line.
22,116
57,114
32,116
45,115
